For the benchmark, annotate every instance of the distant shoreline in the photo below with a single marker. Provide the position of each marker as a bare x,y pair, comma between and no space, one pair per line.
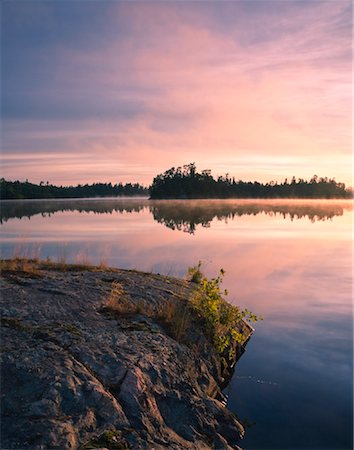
183,183
137,197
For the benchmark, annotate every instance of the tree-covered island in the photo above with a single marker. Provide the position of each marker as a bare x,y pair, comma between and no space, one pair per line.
186,183
183,183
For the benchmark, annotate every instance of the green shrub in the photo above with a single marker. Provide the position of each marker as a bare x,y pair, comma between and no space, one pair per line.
222,320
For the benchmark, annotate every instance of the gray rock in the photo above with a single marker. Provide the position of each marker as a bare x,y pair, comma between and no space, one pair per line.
75,376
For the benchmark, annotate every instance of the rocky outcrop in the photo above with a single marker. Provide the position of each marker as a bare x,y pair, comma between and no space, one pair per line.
76,375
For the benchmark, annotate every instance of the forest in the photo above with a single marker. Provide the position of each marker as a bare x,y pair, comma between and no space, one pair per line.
186,183
183,183
22,190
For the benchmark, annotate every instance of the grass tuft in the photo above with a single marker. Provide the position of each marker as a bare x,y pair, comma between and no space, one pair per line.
119,302
18,266
174,314
28,267
194,274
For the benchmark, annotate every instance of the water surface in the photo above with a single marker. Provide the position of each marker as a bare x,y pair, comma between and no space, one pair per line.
290,261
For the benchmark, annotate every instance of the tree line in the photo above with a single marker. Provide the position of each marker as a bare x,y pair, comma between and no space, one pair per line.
183,183
186,183
19,189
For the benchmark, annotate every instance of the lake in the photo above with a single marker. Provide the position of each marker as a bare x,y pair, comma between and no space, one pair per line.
288,260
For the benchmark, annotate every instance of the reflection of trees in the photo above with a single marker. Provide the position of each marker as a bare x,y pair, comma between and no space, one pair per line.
21,209
186,215
181,215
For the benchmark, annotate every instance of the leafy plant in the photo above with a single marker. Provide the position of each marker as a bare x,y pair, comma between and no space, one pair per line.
223,321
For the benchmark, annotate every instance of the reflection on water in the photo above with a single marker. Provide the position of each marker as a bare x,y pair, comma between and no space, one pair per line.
284,260
21,209
185,216
180,215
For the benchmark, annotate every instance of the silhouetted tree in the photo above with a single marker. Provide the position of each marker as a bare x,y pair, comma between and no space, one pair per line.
186,182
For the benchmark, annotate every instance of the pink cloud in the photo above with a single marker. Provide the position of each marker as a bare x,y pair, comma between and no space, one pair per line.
265,110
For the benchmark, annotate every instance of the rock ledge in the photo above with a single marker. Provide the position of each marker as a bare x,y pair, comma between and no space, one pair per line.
77,377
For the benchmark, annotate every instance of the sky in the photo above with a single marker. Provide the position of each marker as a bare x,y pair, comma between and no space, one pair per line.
124,90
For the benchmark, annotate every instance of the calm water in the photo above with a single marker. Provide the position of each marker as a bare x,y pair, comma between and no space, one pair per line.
290,261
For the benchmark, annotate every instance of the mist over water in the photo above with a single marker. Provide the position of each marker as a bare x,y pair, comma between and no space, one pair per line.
179,214
290,261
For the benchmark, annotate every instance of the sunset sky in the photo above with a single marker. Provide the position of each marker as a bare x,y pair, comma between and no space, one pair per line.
121,91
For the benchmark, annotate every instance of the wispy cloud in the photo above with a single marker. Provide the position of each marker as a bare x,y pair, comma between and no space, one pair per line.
125,90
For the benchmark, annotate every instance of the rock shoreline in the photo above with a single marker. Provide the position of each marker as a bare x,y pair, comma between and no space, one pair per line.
75,376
